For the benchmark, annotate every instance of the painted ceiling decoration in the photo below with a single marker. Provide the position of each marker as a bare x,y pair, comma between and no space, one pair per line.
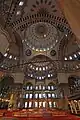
38,35
41,71
52,52
42,5
42,42
28,52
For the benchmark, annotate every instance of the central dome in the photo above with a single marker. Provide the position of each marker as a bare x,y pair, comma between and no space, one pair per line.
42,36
41,30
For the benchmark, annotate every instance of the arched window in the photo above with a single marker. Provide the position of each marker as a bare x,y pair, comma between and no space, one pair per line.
26,104
30,104
36,104
51,86
53,95
30,96
36,95
27,96
29,86
36,87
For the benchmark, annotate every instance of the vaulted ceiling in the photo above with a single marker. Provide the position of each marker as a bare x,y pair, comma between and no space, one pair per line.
31,29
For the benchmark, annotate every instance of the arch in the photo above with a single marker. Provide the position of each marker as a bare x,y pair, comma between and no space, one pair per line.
17,25
51,84
7,80
29,84
75,76
40,67
72,79
40,56
6,84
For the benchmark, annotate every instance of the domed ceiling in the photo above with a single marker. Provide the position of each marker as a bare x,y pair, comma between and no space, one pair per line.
40,37
42,68
37,30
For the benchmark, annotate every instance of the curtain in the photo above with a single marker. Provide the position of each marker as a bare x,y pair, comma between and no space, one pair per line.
71,10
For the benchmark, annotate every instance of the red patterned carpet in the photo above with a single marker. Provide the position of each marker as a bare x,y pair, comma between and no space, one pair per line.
36,115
